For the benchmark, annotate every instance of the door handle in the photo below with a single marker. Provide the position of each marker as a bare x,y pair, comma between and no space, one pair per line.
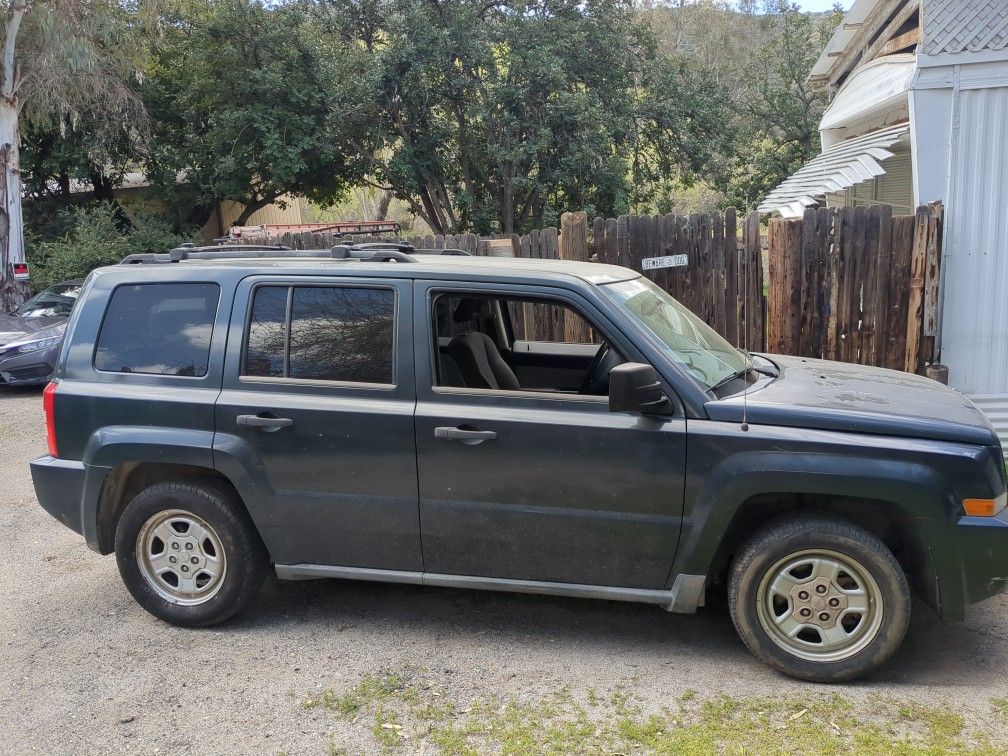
264,421
465,435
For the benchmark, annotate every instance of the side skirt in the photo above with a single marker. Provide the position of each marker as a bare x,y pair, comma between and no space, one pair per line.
686,595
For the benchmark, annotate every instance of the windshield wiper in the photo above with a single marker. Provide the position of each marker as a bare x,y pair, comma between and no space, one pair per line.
731,377
773,372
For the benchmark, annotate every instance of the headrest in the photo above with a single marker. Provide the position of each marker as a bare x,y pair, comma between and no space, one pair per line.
466,310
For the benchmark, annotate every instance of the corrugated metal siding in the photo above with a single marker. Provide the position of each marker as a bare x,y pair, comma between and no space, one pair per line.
975,314
996,409
955,26
894,187
269,215
219,222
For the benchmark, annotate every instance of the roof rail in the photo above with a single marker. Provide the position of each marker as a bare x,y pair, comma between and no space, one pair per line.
364,252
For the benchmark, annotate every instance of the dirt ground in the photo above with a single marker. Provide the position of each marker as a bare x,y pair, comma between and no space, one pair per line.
85,670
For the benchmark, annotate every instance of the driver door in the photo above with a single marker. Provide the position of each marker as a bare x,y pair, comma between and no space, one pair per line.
558,489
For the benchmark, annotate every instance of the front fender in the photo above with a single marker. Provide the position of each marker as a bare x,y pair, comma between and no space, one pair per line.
914,488
924,480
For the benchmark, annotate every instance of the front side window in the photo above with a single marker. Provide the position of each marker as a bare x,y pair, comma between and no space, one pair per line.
512,343
327,333
158,329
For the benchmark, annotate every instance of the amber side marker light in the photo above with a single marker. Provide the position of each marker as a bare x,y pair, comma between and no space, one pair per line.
985,507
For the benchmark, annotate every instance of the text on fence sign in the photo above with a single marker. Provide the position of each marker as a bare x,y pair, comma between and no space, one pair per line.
669,261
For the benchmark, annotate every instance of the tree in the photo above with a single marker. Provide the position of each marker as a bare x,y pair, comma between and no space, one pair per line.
498,116
243,94
62,60
779,110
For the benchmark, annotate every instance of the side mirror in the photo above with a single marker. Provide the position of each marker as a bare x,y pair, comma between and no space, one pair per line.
635,387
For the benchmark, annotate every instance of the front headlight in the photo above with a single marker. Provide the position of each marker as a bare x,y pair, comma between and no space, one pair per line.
36,346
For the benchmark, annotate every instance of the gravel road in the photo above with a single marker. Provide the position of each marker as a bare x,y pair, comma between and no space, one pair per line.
85,670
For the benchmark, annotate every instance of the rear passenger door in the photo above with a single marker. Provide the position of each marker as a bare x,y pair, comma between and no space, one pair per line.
316,414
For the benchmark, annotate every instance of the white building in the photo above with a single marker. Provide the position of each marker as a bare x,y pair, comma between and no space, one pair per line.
919,112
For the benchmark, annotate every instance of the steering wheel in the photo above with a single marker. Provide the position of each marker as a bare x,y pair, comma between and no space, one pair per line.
596,380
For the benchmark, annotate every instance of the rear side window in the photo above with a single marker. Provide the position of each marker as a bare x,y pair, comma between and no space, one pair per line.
158,329
327,333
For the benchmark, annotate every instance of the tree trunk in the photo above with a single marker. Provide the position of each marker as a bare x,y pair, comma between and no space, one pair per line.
383,205
12,293
251,209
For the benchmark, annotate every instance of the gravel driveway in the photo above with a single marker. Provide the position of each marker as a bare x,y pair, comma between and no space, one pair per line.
85,670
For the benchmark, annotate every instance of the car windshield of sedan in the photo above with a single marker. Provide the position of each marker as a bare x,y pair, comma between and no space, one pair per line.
678,332
54,302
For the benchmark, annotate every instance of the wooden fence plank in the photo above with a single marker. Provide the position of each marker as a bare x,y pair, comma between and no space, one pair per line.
885,286
915,308
869,284
929,328
896,317
731,330
719,295
806,282
752,266
824,244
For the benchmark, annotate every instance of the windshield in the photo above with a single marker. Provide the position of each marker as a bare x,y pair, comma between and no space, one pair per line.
681,334
55,302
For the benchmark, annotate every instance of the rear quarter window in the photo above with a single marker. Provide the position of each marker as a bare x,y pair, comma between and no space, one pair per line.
158,329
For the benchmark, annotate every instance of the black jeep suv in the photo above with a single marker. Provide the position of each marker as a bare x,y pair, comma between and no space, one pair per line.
377,413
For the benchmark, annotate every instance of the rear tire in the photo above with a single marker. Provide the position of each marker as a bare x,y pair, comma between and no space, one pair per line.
819,599
189,554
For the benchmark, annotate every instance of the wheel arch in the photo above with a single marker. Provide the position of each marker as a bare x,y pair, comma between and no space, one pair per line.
747,491
886,520
124,481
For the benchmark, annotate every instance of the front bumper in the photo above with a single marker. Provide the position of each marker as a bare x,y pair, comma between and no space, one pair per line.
29,368
982,543
59,488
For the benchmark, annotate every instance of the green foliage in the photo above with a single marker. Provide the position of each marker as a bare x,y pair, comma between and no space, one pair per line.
400,713
778,112
490,117
500,116
95,238
243,95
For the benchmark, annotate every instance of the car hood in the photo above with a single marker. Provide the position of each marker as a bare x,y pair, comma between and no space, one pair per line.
842,396
13,328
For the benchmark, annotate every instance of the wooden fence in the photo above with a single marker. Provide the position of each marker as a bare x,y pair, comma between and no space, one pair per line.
850,284
856,285
720,279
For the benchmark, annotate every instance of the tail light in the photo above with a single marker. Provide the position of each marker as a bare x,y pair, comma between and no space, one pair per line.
48,402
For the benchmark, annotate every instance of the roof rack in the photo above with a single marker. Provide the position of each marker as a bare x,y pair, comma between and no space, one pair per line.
390,251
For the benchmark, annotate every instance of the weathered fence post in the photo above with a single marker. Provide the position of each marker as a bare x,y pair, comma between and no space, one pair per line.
574,236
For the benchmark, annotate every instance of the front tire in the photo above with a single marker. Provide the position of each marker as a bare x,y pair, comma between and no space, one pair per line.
819,599
188,553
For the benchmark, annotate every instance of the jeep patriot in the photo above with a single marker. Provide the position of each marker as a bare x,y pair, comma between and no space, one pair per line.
374,412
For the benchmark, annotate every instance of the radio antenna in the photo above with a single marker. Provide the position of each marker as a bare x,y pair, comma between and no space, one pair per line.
745,335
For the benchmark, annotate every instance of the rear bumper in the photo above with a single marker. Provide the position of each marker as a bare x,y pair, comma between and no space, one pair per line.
59,488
